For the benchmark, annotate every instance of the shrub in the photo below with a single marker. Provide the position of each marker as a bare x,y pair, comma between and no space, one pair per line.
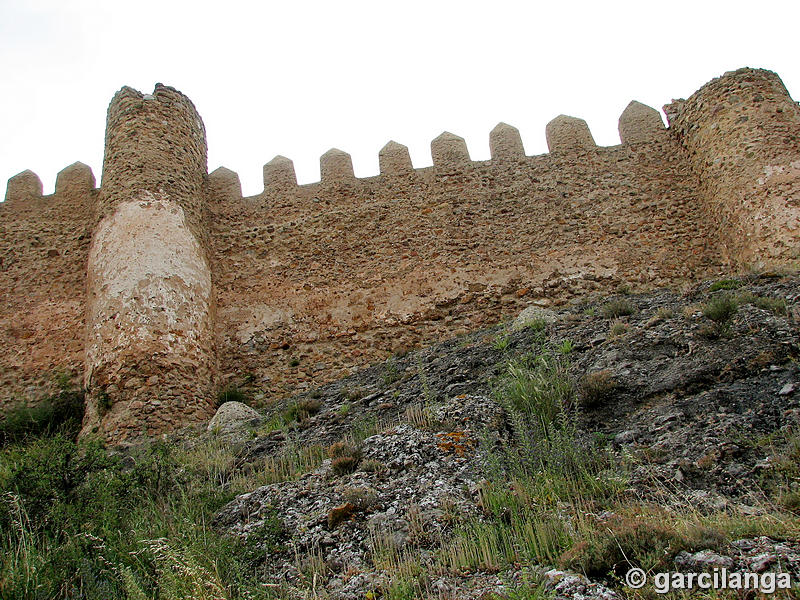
597,387
775,305
619,307
59,414
345,457
232,393
720,309
303,409
625,542
618,329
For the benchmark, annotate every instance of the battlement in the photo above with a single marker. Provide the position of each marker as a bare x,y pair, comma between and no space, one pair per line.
449,152
165,283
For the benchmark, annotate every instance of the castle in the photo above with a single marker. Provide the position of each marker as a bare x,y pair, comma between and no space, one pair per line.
165,283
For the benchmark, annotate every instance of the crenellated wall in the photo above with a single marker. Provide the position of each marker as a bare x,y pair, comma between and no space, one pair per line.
313,280
190,285
44,245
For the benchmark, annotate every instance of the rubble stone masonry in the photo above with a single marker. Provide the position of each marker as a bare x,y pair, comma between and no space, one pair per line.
165,284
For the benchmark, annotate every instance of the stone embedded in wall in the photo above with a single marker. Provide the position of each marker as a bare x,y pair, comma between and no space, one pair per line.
336,167
24,186
568,134
640,123
279,175
449,153
224,184
75,179
505,143
395,160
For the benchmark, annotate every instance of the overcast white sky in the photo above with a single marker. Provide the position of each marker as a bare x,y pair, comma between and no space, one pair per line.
297,77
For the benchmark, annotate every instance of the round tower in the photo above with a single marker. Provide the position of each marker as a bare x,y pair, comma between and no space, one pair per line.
742,133
150,355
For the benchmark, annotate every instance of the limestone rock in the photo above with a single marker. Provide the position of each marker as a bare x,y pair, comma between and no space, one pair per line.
233,416
534,313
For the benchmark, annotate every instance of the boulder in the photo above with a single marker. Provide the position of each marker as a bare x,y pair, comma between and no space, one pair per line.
232,417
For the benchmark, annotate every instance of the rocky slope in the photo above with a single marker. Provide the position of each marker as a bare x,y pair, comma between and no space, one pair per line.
693,399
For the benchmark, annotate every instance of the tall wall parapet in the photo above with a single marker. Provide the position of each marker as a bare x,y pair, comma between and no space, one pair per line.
568,134
505,143
742,134
150,354
23,186
279,175
44,243
336,168
224,184
394,160
640,123
450,155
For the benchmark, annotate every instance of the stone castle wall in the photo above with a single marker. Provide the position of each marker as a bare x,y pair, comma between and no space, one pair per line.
190,285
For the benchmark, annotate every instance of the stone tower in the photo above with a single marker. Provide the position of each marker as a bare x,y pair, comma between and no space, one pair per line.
150,356
742,135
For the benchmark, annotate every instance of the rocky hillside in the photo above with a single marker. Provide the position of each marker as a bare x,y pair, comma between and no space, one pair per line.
653,430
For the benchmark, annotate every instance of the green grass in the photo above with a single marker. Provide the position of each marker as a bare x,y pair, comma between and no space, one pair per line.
565,347
726,284
545,488
391,373
501,341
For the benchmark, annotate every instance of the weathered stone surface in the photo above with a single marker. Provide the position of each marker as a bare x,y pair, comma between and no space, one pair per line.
233,416
279,174
505,143
532,314
24,186
568,134
150,300
394,160
336,167
640,123
225,184
449,153
741,132
75,179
